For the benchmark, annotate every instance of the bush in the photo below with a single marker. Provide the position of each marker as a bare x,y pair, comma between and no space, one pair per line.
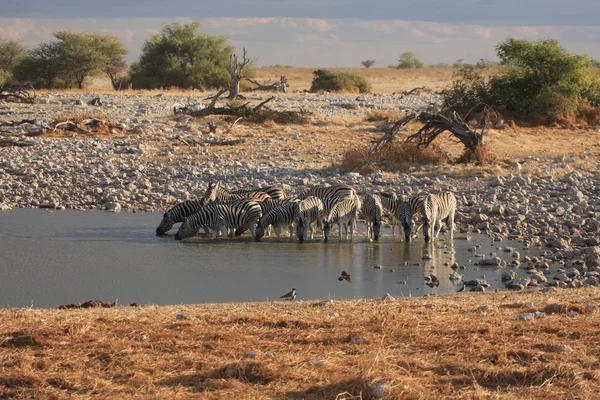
408,60
539,78
367,63
592,93
179,55
390,157
334,81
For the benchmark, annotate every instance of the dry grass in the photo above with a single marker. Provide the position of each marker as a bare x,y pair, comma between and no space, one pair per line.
420,348
393,157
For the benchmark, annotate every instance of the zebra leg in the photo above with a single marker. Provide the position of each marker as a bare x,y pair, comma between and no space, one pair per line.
269,231
340,229
214,232
450,224
224,231
291,231
277,229
394,221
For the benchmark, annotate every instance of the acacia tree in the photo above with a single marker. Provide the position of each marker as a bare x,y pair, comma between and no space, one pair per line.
409,60
180,55
111,60
42,67
367,63
12,52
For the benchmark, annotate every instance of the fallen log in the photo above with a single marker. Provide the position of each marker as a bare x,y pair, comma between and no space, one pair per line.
280,86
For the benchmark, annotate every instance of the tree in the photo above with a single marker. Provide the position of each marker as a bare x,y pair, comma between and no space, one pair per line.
179,55
42,67
367,63
72,58
237,71
111,60
538,78
541,77
11,53
409,60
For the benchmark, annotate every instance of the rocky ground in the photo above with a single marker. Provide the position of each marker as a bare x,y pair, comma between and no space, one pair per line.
145,162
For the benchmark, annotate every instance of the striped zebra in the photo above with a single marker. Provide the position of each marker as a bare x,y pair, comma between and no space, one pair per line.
279,217
178,213
404,216
390,201
220,217
270,204
308,214
339,191
372,211
436,208
248,212
212,216
215,192
274,192
343,213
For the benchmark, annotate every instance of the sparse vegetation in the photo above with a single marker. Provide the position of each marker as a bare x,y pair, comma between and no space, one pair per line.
334,81
367,63
394,157
408,60
301,352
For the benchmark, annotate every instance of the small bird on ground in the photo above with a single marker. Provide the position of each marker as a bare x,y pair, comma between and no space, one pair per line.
290,296
345,276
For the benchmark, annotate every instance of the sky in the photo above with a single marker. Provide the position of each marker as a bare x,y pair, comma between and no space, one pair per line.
322,33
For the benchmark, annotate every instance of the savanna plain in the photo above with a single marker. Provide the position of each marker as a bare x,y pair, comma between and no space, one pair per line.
529,344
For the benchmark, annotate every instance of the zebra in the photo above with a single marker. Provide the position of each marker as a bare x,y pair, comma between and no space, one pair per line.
389,201
372,210
279,217
270,204
343,213
324,192
212,216
248,212
178,213
215,192
220,217
438,207
274,192
404,216
307,214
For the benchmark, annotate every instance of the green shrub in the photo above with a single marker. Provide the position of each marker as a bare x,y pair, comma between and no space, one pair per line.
538,78
408,60
334,81
592,93
469,89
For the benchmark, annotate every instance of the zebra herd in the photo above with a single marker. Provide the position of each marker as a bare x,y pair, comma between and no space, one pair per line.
259,211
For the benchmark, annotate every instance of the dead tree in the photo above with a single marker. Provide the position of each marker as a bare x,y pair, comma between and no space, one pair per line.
388,137
280,86
434,125
236,72
24,93
211,109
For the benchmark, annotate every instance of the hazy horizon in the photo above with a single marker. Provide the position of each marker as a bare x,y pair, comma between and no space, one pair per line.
335,33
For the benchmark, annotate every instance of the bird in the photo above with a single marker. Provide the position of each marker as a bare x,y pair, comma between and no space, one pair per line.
345,276
290,296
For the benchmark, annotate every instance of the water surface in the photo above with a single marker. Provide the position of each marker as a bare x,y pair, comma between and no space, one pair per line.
61,257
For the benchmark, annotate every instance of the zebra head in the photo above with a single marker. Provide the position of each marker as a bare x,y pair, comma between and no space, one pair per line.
405,213
259,232
165,225
326,230
185,230
300,229
376,229
212,191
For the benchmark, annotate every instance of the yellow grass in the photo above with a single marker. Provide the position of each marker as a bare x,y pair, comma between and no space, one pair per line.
419,348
